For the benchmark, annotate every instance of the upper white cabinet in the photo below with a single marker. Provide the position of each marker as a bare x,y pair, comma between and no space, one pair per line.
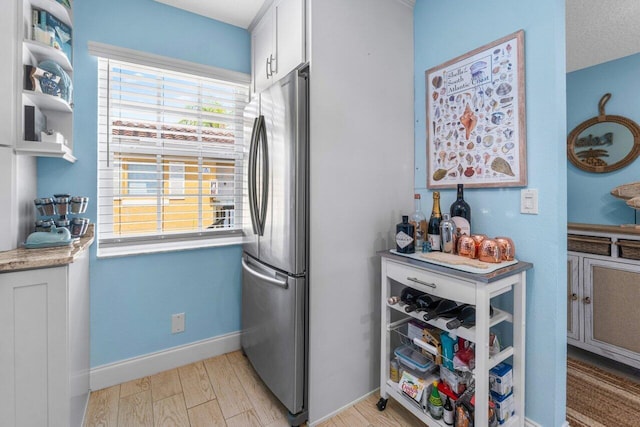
278,42
37,43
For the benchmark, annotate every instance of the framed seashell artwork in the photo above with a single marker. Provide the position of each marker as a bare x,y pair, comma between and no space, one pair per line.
476,117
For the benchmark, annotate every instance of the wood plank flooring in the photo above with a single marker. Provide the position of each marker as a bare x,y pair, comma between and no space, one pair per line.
221,391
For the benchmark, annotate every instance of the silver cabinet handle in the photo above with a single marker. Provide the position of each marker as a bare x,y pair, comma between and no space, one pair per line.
271,280
272,62
416,280
268,67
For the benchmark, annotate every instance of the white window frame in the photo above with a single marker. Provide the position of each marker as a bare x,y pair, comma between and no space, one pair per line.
178,241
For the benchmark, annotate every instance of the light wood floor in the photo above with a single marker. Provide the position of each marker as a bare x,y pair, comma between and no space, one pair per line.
220,391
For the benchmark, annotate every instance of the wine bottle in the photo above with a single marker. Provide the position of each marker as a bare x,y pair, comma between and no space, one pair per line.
419,222
433,229
447,415
404,236
445,308
410,295
461,212
422,303
466,317
435,402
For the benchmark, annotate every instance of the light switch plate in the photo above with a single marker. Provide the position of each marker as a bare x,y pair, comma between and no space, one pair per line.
529,201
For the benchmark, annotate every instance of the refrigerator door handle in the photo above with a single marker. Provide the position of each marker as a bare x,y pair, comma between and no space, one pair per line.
262,217
253,151
282,283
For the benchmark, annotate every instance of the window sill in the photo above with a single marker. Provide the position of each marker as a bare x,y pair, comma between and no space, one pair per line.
153,248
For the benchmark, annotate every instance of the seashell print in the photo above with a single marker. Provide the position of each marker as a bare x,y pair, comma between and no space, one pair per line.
503,76
496,69
443,91
469,172
488,91
452,155
509,146
460,169
453,174
477,157
435,95
503,89
439,174
506,100
486,157
470,146
494,104
509,49
469,158
442,155
500,165
452,98
478,170
508,133
461,154
478,138
497,118
496,52
487,141
437,82
495,149
469,121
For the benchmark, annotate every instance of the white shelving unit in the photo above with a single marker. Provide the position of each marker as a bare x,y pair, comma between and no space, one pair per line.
468,288
59,113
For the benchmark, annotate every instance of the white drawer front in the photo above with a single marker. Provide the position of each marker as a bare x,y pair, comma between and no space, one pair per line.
433,283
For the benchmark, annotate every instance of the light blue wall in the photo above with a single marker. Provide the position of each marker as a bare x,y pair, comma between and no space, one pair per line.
132,298
444,30
588,197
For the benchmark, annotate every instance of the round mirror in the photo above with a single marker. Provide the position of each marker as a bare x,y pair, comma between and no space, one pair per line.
604,143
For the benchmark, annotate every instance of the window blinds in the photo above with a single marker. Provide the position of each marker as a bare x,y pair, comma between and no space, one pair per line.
170,150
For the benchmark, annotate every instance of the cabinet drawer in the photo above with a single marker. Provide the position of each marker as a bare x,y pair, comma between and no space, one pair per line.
629,249
434,283
589,244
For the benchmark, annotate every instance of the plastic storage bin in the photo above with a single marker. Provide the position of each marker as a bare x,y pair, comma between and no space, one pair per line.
413,358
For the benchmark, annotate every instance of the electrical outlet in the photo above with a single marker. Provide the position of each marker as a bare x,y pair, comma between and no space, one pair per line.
177,323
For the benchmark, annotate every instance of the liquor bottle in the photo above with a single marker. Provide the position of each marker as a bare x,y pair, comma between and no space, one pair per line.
410,295
433,230
445,308
435,402
419,222
404,236
461,212
447,415
422,303
466,317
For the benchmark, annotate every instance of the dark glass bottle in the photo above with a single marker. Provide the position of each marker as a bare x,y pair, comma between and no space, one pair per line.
461,212
445,308
422,303
410,295
405,243
448,415
433,229
466,317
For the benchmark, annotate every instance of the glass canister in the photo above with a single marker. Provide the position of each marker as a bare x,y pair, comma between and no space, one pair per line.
79,204
447,234
62,223
44,206
44,225
61,202
79,226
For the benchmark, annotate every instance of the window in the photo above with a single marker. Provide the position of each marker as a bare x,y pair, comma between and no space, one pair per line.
170,156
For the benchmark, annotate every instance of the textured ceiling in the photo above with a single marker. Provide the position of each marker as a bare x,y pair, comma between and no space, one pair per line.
601,30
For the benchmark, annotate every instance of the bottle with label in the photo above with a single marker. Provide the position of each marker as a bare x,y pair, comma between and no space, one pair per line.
433,229
461,212
466,317
419,222
404,236
447,415
445,308
435,402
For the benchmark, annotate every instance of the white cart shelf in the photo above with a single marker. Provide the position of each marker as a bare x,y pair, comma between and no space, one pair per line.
468,288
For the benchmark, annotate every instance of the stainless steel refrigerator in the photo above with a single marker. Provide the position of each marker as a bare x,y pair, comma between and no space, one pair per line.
275,221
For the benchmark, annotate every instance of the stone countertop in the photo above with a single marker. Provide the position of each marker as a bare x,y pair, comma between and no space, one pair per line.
28,259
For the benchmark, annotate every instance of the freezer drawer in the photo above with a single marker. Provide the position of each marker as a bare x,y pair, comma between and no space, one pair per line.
273,330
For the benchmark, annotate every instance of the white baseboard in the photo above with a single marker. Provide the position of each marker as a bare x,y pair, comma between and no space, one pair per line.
152,363
529,423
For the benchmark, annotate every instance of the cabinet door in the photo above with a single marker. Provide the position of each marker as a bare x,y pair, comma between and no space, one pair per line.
611,298
573,298
263,53
290,46
33,348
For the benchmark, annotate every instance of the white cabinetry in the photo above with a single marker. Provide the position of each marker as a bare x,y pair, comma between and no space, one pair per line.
58,112
604,291
278,42
479,290
44,345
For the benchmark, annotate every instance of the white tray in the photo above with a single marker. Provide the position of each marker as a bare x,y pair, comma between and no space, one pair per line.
480,267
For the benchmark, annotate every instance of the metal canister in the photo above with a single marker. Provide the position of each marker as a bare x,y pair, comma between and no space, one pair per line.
79,226
44,206
62,223
79,204
62,204
447,234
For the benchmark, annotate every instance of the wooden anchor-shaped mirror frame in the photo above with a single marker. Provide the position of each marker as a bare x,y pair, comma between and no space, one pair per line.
602,117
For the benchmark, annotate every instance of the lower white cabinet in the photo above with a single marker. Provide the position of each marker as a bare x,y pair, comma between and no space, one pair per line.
44,345
604,291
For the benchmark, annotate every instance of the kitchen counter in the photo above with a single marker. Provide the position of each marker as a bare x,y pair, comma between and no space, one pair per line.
28,259
630,229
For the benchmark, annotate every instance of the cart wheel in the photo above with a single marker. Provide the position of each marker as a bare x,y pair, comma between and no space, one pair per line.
382,404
